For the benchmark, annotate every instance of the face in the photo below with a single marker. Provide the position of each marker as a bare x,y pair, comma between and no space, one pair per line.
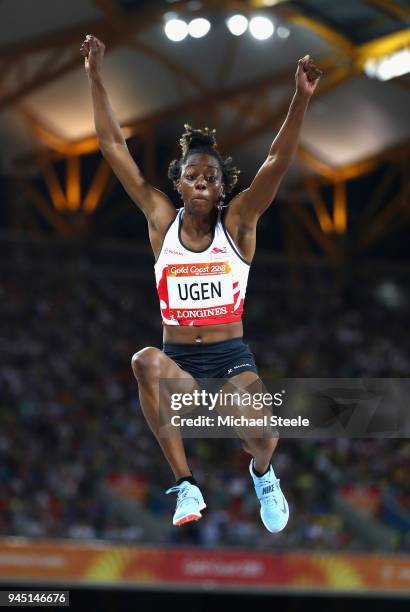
200,185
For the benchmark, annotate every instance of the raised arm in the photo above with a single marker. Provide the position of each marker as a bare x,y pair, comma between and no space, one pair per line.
156,206
247,207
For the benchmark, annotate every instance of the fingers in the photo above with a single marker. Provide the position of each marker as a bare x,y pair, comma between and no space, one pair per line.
312,71
91,43
304,60
85,49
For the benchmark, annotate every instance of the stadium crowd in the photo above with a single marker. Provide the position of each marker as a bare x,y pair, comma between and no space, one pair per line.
70,416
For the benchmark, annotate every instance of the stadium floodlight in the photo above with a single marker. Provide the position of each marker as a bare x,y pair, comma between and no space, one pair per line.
197,28
176,29
390,66
283,32
237,24
261,27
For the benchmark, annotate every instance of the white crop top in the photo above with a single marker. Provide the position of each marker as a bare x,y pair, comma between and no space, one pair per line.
200,287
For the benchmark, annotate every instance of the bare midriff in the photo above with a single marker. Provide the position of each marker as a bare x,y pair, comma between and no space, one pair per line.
202,334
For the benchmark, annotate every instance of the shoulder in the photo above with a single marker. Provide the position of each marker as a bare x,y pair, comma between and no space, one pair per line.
238,215
163,220
158,233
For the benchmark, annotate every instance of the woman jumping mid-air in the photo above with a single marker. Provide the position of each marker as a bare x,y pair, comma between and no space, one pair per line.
202,312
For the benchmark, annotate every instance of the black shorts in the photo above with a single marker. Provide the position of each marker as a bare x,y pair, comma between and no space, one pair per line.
216,360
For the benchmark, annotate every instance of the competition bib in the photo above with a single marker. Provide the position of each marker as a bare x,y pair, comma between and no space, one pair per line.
206,287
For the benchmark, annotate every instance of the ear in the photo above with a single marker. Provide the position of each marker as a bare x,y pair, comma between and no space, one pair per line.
177,185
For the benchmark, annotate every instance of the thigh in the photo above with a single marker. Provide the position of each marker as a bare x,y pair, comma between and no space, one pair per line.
245,395
160,379
150,364
176,390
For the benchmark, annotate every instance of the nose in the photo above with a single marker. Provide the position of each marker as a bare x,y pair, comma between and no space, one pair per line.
200,183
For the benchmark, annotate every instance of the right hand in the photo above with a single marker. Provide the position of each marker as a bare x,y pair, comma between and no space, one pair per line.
93,51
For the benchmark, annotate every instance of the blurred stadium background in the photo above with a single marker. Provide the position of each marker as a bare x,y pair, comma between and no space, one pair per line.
82,481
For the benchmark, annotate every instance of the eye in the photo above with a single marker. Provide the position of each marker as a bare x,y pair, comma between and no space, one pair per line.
190,177
211,178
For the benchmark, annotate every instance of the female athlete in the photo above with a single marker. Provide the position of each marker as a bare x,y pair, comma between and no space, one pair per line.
203,253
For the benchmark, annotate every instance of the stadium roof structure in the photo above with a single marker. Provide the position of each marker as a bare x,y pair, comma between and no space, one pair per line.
237,84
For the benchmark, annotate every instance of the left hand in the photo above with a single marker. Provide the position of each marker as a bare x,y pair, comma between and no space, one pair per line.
307,76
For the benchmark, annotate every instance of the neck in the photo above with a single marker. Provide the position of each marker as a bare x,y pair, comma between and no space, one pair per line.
199,225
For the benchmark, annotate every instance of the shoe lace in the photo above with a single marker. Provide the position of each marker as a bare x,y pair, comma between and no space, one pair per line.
265,480
183,492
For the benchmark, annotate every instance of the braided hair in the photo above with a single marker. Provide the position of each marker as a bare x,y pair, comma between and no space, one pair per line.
203,141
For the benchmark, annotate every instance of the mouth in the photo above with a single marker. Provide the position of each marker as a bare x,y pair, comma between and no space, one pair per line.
200,199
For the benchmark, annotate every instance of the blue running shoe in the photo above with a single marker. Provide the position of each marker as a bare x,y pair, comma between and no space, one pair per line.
274,507
189,503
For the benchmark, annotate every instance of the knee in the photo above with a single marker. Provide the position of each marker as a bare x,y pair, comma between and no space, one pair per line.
146,363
